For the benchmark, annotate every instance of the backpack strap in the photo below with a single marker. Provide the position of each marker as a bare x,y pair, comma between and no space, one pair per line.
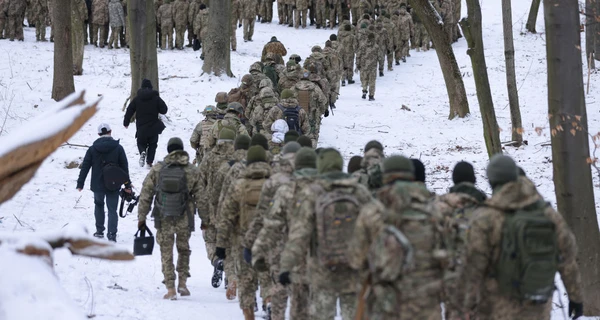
408,248
282,108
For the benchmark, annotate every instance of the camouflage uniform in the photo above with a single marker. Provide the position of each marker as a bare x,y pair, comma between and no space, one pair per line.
334,74
276,113
405,32
275,47
169,228
230,120
270,242
481,293
373,157
384,46
447,13
236,21
165,21
321,18
421,38
314,102
326,286
78,16
201,24
14,11
366,63
320,62
100,20
335,10
193,11
37,14
157,5
289,77
266,11
117,21
281,11
3,6
289,12
199,139
354,11
348,46
392,41
301,12
231,226
180,16
249,12
258,109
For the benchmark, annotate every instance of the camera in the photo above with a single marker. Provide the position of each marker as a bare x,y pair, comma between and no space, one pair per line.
130,198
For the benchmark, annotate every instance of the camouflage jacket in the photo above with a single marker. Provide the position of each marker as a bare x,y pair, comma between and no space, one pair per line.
229,224
405,29
391,32
302,233
200,135
483,250
259,107
180,13
230,174
117,14
321,62
317,100
165,15
220,154
249,9
287,80
100,12
446,11
151,181
286,167
193,11
366,58
371,158
348,41
335,62
276,113
231,121
200,22
15,7
271,239
275,47
38,9
383,41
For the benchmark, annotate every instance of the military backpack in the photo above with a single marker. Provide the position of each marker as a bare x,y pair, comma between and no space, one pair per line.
252,189
529,254
292,118
172,194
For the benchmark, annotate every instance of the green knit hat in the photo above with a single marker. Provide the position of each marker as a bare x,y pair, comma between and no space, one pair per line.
291,147
354,164
304,141
329,160
259,140
242,142
290,136
256,154
287,94
399,166
501,170
305,158
226,134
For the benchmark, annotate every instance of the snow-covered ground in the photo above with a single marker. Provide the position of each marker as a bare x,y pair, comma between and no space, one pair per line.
50,200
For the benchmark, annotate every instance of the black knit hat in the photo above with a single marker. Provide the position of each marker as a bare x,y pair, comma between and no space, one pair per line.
354,164
304,141
333,37
259,140
174,144
146,84
373,144
256,154
290,136
242,142
463,172
419,170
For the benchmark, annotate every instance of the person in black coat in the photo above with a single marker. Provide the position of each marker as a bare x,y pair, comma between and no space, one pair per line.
146,106
104,150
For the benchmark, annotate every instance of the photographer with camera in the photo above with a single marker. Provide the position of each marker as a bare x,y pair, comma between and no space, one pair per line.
107,159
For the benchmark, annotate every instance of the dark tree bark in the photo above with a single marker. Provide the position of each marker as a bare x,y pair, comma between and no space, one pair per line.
471,27
62,81
217,45
459,105
511,78
590,31
570,145
533,13
142,44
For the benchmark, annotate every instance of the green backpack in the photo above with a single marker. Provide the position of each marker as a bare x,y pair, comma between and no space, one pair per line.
172,193
529,254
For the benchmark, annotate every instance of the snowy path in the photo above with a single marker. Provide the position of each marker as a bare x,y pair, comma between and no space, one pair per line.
50,201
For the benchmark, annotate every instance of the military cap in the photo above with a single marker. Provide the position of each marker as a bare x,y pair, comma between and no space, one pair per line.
235,107
316,49
256,154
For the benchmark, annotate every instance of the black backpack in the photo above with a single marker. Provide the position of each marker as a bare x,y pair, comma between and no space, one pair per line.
292,117
113,175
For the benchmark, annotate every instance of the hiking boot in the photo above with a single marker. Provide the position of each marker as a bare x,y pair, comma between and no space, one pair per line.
112,237
380,73
149,165
142,158
248,314
343,83
397,62
351,81
182,288
404,59
364,96
226,282
217,278
99,234
231,291
371,98
171,294
318,26
390,69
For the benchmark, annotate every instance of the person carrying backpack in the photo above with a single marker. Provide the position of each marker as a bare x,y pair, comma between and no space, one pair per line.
369,174
288,110
326,213
173,185
515,245
104,156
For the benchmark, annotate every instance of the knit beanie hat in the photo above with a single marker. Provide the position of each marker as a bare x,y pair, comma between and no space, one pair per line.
463,172
305,158
259,140
354,164
329,160
256,154
174,144
146,84
242,142
287,93
333,36
226,134
399,164
501,170
304,141
291,147
373,144
419,170
290,136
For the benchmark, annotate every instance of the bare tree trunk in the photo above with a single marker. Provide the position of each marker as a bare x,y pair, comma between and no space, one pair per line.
142,44
459,105
62,81
590,30
592,21
217,45
570,145
471,27
511,78
533,13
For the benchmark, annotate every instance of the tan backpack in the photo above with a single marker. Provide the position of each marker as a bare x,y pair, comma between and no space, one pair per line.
251,195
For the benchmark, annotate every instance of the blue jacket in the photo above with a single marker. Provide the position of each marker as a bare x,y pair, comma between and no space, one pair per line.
104,148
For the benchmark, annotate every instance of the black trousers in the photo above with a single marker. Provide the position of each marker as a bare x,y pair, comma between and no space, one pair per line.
148,145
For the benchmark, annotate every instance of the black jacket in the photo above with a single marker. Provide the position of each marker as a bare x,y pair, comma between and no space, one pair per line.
105,148
146,106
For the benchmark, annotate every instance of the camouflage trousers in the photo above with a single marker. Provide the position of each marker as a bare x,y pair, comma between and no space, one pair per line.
355,15
280,11
114,37
300,301
266,285
367,80
290,14
421,37
248,29
100,34
247,281
233,37
320,16
279,296
381,59
335,90
266,10
425,308
402,49
166,36
174,232
210,241
348,63
229,264
300,18
390,59
179,36
14,29
40,28
191,34
497,307
323,305
2,25
334,14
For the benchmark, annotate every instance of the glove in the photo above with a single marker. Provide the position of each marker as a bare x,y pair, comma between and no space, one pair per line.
142,225
332,6
260,265
248,255
220,253
575,309
326,113
284,278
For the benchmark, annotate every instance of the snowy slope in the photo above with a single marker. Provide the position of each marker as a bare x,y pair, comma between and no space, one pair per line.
50,200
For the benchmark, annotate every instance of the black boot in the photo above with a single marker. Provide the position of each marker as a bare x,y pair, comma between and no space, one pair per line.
364,96
404,59
318,26
351,81
371,98
217,277
343,83
381,73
